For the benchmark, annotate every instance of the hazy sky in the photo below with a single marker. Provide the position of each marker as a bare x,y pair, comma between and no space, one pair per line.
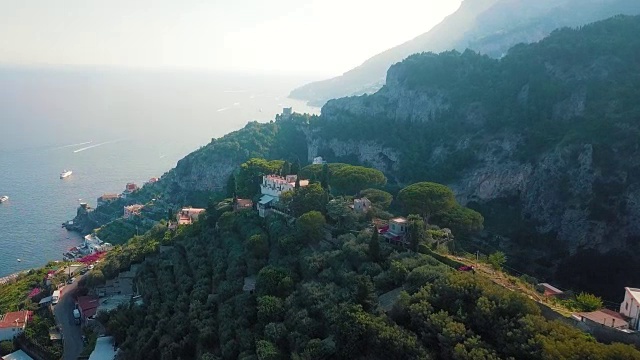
324,37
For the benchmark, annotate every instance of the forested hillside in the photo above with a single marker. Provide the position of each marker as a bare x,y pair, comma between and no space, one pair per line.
318,299
542,142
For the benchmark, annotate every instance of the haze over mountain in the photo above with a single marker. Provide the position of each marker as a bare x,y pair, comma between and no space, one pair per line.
490,27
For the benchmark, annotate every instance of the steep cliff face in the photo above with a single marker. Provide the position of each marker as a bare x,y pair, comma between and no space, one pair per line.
543,142
551,129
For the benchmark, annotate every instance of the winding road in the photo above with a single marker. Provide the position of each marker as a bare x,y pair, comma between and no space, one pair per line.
71,333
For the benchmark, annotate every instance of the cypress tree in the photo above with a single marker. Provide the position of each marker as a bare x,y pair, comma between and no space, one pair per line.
374,246
231,186
324,177
295,168
286,168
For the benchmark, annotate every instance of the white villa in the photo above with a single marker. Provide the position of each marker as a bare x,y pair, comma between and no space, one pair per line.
630,307
271,188
132,210
395,231
92,244
188,215
318,160
361,205
12,324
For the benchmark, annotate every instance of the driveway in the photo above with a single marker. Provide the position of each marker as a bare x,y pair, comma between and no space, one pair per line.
71,333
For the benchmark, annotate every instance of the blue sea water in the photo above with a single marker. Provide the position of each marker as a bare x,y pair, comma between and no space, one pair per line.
109,127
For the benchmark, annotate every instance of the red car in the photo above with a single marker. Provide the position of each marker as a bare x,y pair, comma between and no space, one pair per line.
466,268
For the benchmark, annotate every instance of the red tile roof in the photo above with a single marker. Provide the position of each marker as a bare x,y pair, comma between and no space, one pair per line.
12,319
606,317
88,305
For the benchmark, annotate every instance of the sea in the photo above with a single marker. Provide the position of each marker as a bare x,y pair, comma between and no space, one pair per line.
110,127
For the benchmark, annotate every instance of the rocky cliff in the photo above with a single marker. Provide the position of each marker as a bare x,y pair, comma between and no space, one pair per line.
543,142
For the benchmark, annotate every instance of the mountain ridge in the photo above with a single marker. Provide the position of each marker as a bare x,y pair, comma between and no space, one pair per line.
486,26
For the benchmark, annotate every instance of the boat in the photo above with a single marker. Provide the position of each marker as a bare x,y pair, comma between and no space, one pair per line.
65,173
3,199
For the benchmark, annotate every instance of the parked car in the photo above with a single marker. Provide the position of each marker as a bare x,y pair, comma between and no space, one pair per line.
70,281
83,271
76,316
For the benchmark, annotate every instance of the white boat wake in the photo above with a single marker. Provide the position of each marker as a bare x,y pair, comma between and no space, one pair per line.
236,104
72,145
96,145
223,109
234,91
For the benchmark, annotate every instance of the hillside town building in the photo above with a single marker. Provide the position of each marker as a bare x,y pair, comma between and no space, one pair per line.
188,215
13,324
272,187
132,210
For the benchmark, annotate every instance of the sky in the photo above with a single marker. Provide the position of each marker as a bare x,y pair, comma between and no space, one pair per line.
322,37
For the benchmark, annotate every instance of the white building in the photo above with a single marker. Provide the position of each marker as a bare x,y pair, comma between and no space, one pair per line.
361,205
630,307
92,244
396,231
318,160
188,215
132,210
272,187
17,355
12,324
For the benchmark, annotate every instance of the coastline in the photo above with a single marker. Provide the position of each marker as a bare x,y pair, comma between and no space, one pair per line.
7,279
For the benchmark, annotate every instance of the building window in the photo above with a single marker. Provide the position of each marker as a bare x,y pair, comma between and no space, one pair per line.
626,306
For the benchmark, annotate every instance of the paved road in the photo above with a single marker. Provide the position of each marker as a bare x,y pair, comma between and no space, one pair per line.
72,333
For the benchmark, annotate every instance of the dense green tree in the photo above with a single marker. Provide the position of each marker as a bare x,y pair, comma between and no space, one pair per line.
461,220
274,281
325,176
231,186
250,175
310,227
365,293
295,168
379,198
266,350
270,308
304,199
417,232
258,246
351,179
314,171
338,211
286,169
427,199
588,302
497,260
6,347
374,246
